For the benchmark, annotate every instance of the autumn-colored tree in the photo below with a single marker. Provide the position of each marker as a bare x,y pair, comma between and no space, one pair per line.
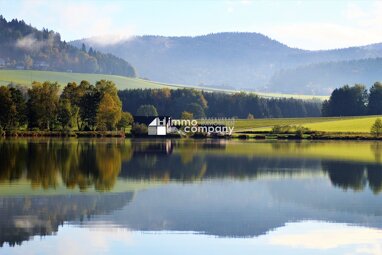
187,115
108,114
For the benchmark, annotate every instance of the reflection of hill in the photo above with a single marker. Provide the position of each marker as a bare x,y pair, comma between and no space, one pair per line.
22,218
232,194
245,208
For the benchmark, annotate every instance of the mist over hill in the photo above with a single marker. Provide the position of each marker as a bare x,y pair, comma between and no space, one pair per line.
25,47
248,61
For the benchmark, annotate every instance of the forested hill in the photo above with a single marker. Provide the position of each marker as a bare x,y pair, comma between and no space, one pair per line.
226,60
25,47
243,61
322,78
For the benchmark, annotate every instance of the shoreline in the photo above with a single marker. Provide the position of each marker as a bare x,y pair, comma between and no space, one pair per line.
238,136
74,134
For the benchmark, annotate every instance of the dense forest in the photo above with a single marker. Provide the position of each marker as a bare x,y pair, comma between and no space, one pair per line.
25,47
354,101
207,104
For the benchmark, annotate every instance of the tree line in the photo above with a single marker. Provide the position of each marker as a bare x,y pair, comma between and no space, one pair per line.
180,102
354,101
101,107
43,106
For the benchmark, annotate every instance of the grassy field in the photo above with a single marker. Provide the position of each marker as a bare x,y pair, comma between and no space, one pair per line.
26,77
324,124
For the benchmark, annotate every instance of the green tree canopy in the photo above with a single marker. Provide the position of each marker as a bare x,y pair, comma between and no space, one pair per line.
196,110
7,108
375,99
147,110
347,101
42,104
376,128
126,120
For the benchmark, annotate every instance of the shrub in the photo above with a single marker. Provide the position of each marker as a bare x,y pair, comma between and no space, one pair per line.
139,129
300,131
376,128
279,129
187,116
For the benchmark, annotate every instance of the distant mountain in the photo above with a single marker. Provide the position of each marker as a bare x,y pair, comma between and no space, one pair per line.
25,47
234,60
322,78
244,60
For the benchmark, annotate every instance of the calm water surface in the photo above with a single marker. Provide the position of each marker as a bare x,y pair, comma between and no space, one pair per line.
111,196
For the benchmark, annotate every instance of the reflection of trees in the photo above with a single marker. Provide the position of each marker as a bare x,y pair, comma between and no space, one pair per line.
98,163
281,147
376,147
202,166
11,165
374,176
108,161
43,164
75,163
22,218
349,175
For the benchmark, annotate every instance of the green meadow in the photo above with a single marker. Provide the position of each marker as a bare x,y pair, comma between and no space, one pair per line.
26,77
359,124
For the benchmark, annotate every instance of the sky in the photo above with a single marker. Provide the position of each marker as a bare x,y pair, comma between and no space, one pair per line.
306,24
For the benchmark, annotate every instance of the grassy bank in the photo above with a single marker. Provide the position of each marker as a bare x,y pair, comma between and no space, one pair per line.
333,125
26,77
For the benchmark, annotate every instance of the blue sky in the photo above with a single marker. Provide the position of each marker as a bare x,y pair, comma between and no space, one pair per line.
307,24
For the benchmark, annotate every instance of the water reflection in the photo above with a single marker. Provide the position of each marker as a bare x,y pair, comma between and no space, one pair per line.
23,217
92,163
222,188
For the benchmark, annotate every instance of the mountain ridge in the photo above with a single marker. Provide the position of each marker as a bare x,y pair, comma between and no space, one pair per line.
242,60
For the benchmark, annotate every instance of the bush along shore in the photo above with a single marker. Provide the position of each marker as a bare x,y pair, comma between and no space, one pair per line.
307,136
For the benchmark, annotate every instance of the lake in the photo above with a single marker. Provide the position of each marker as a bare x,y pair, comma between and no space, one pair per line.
143,196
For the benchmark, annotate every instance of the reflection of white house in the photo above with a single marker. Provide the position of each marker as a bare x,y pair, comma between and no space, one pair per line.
2,62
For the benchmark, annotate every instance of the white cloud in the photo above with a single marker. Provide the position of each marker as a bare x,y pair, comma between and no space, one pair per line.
323,35
111,39
325,236
80,19
356,26
30,43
